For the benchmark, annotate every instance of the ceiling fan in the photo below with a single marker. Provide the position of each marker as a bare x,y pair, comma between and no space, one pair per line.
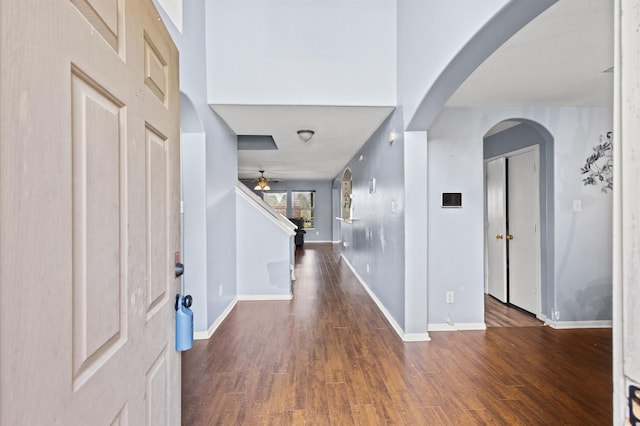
262,184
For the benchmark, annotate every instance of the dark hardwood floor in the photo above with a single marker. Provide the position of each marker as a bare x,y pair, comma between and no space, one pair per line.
330,357
497,314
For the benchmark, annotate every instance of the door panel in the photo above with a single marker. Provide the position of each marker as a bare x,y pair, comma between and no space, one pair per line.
496,229
157,392
156,240
106,17
96,140
523,213
89,214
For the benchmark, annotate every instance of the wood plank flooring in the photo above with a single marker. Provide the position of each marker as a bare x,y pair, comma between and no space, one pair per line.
497,314
329,357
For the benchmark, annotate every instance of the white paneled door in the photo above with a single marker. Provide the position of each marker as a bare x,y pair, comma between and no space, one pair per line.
89,214
512,236
523,214
496,243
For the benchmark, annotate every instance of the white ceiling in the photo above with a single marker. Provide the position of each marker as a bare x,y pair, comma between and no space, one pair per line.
339,133
556,60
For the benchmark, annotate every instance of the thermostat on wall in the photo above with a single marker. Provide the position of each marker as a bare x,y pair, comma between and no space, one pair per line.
452,199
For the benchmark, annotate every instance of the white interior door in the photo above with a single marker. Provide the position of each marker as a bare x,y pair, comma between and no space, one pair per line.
89,214
522,227
496,229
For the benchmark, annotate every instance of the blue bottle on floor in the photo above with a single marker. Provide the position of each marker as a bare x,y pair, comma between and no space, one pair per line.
184,323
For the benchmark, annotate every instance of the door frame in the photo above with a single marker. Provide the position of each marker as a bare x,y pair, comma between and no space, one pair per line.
538,261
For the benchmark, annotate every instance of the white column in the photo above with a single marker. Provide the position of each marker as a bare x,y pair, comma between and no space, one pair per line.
415,184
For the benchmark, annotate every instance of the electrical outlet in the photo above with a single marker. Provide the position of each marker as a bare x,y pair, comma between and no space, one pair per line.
368,269
220,290
449,297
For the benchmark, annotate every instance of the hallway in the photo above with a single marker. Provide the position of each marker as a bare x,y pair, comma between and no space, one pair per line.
330,357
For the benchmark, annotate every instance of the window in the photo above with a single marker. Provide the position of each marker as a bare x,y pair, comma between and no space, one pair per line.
277,200
303,206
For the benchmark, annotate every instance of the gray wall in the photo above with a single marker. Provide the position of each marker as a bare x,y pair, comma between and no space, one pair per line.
582,240
377,235
210,159
264,253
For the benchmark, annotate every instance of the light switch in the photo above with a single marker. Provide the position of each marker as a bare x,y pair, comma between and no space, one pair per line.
577,205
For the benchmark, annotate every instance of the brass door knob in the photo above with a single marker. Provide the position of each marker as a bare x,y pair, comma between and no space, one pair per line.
509,237
499,236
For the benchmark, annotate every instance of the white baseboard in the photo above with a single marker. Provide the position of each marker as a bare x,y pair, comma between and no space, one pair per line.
336,242
563,325
264,297
406,337
416,337
458,326
318,242
204,335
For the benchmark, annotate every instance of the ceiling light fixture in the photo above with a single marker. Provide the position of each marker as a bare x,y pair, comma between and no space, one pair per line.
306,135
262,184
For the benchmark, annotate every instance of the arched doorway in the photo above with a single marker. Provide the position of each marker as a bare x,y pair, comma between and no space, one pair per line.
342,191
345,195
518,156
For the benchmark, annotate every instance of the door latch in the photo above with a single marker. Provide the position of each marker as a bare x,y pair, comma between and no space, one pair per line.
179,269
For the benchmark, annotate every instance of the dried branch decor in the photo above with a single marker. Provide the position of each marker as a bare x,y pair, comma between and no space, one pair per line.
599,165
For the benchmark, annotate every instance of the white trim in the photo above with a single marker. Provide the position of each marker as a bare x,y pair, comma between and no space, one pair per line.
410,337
204,335
318,242
345,220
459,326
264,297
561,325
514,152
621,107
543,318
336,242
416,337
